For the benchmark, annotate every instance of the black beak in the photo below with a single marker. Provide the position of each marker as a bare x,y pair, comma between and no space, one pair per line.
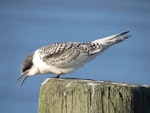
23,74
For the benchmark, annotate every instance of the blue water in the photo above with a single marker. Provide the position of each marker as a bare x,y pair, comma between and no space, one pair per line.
27,25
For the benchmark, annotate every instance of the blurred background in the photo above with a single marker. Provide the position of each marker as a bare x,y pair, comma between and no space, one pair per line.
27,25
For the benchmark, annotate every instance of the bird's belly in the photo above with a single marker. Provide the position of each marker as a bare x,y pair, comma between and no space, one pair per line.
56,70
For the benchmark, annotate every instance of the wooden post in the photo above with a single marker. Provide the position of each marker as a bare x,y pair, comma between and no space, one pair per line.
88,96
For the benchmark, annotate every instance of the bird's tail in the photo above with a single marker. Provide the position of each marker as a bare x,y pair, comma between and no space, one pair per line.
111,40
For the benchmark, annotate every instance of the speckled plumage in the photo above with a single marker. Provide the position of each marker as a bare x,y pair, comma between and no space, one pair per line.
64,57
67,54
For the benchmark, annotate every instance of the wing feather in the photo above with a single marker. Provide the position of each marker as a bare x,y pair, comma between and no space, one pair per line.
64,55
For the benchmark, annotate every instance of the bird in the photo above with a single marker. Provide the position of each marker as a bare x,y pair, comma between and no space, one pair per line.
65,57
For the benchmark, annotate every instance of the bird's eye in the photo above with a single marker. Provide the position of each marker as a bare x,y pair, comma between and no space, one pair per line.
26,67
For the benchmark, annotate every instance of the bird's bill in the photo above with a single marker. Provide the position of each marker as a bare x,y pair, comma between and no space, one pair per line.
24,80
23,74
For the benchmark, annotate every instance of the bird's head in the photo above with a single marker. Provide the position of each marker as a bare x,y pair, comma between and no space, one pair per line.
26,68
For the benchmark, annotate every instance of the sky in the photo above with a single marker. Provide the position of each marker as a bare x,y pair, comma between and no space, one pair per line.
28,25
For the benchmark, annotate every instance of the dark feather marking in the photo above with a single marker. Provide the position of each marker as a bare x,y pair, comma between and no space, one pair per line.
27,64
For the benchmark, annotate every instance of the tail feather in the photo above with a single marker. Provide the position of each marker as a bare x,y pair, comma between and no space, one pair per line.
111,40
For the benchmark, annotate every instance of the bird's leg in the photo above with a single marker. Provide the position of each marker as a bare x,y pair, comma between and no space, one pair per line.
57,76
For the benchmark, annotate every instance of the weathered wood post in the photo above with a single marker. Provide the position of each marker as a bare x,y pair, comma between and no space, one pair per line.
88,96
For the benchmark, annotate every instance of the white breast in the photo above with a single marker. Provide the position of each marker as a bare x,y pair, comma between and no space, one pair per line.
47,68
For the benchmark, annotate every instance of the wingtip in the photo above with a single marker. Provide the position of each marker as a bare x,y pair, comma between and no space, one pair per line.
127,31
128,35
124,32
